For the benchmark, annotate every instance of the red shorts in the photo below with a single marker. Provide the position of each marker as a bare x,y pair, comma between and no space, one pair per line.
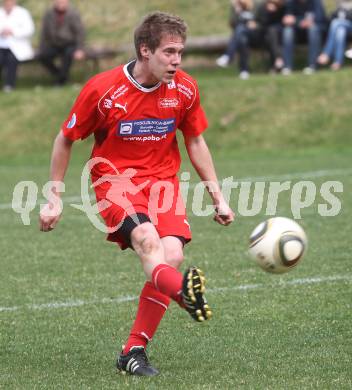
160,200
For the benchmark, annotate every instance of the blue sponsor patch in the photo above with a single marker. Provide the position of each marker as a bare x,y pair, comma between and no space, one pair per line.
72,121
145,127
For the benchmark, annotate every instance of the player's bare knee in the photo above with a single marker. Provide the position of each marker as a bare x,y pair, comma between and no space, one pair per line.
175,258
145,239
149,244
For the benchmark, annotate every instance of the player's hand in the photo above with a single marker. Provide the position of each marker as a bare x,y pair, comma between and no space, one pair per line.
223,214
49,216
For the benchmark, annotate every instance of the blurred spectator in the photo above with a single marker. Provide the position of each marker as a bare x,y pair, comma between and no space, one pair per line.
245,33
62,37
339,29
303,20
16,29
269,16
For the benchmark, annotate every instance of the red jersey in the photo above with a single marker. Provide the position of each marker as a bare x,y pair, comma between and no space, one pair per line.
135,127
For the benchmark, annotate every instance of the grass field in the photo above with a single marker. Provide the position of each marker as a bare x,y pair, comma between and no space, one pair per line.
67,298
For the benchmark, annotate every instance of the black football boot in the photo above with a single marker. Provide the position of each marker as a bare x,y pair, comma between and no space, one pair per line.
135,362
193,288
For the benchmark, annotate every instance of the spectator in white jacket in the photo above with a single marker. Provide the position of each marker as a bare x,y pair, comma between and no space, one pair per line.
16,30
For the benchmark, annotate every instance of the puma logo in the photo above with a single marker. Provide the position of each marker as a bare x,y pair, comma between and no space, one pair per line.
117,105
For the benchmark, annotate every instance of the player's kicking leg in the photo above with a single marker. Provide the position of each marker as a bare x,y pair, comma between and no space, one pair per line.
187,290
166,281
193,285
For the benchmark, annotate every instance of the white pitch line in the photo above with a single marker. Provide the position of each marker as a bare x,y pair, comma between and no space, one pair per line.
243,287
301,175
287,176
69,304
65,199
294,282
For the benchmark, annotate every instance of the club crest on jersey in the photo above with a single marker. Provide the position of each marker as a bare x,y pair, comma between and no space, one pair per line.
72,121
107,103
171,84
168,102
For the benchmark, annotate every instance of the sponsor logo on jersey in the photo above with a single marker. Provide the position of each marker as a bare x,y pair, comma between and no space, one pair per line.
146,127
118,105
168,102
126,128
185,90
119,92
72,121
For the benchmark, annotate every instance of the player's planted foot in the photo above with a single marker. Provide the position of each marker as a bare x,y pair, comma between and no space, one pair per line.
135,362
193,289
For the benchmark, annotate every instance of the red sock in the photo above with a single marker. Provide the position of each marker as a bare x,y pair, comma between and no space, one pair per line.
168,281
151,309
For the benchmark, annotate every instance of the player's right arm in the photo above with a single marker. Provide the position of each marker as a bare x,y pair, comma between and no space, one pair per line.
60,158
83,120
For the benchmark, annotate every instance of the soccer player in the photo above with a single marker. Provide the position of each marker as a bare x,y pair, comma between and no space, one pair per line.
134,111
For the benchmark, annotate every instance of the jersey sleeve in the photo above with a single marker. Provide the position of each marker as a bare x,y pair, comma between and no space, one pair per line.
85,117
194,121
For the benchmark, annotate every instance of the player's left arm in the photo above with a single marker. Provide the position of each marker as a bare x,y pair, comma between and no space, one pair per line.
202,162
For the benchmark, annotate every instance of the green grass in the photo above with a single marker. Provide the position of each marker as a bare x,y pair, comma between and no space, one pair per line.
270,112
274,336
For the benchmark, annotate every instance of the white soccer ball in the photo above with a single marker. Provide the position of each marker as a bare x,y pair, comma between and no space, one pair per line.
278,244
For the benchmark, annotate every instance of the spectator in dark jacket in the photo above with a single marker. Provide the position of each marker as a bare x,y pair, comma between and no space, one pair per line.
62,36
304,20
339,29
269,16
245,33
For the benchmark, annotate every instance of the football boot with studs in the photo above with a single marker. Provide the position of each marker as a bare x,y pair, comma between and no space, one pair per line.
135,362
193,289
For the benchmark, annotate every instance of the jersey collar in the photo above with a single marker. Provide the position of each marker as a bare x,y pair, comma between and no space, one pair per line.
136,83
